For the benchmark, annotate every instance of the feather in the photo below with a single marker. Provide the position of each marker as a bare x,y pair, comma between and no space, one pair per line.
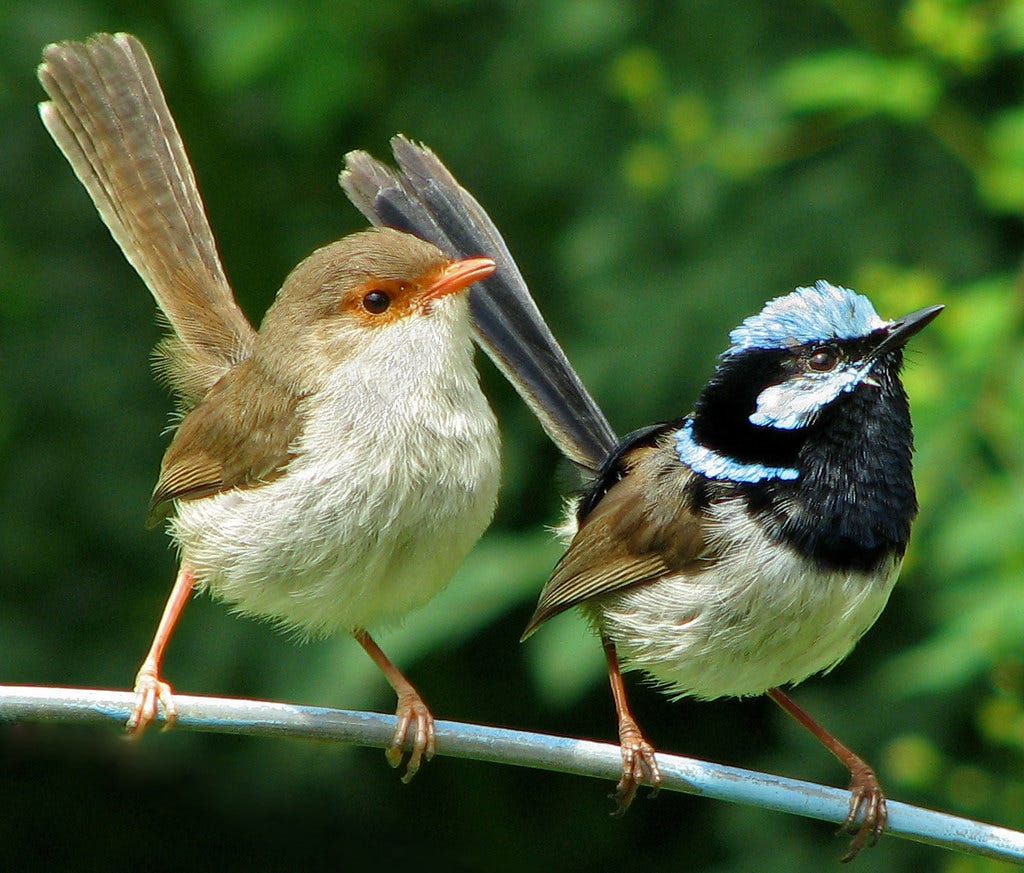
240,436
424,198
640,530
108,116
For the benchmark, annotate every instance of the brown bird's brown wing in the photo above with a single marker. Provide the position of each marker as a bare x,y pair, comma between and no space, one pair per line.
108,115
639,531
241,435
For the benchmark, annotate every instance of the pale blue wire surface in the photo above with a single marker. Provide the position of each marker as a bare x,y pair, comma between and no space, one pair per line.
503,746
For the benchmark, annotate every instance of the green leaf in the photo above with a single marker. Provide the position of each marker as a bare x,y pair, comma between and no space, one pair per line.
858,83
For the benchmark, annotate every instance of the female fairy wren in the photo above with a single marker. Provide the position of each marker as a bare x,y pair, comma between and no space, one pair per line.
744,546
329,472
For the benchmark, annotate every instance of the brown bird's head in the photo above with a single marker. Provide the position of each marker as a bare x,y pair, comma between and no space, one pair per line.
370,294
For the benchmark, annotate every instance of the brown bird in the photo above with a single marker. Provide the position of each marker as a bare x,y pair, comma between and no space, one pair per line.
331,471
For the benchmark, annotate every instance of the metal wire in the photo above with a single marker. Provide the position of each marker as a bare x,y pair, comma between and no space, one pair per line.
516,748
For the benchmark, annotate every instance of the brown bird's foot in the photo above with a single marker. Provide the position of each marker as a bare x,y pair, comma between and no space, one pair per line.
150,693
868,813
639,766
415,727
150,690
416,730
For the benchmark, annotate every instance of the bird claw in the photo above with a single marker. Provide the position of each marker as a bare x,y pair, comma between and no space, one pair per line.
639,767
868,814
151,692
412,713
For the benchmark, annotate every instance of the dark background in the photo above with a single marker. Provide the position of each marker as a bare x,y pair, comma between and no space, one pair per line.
659,170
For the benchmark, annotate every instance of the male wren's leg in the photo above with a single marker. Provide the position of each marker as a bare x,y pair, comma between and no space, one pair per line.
868,813
412,713
150,689
638,763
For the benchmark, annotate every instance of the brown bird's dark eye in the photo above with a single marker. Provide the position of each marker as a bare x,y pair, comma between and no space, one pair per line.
823,360
376,302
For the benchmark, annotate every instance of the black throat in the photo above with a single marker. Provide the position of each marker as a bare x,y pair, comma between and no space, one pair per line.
852,504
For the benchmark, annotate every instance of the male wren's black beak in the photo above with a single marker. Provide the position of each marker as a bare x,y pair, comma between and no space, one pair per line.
903,329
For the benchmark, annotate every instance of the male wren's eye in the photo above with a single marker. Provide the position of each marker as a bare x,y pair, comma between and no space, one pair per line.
376,302
823,360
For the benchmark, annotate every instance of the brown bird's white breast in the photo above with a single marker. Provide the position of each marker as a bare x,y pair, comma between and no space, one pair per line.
394,479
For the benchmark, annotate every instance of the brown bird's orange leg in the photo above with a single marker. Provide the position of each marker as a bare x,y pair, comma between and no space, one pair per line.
868,813
638,763
150,689
411,709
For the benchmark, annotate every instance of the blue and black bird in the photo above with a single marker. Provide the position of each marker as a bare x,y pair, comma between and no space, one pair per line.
751,543
742,547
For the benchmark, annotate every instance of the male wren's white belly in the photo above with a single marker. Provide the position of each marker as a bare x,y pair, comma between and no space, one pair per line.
741,627
394,479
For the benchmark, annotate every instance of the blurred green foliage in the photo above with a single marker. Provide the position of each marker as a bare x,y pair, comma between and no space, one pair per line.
659,170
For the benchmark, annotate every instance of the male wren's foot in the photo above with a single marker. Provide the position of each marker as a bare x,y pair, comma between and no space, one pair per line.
868,813
867,816
415,730
639,766
638,763
150,692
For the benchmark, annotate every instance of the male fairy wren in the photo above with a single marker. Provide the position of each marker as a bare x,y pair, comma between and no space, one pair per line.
751,543
330,471
745,546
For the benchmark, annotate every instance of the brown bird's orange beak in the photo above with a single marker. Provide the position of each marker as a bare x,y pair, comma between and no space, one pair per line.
459,275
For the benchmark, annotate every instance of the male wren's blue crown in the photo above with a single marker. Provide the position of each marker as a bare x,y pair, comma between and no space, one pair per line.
752,542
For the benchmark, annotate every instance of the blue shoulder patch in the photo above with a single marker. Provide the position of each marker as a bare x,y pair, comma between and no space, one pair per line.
703,460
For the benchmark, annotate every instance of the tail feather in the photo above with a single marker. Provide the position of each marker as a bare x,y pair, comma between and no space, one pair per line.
108,116
424,198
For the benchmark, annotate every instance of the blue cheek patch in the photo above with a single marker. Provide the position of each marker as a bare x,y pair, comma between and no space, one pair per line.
714,466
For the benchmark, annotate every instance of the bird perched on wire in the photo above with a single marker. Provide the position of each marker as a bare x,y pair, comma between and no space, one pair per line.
744,546
330,471
751,543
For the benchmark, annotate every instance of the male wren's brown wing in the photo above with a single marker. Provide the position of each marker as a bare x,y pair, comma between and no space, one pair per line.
109,117
626,540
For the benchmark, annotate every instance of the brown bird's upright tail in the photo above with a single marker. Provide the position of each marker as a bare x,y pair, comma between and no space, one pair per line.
424,198
108,115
